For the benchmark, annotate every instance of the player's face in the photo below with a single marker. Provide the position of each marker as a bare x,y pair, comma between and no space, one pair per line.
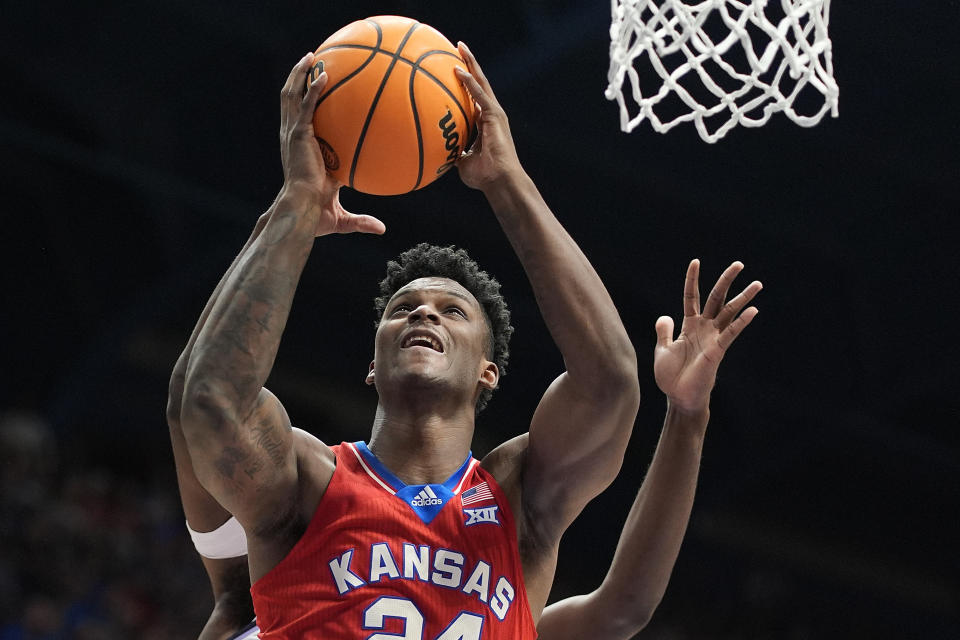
432,334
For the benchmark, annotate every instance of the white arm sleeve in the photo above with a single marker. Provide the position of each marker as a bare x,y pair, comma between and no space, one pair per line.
226,541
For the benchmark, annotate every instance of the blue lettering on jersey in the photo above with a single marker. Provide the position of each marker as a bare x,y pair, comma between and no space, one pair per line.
444,568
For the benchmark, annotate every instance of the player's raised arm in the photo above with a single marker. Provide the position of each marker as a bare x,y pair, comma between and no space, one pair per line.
581,427
206,518
685,370
238,435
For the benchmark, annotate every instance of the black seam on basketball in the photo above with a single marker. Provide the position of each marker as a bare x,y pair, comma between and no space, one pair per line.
417,67
376,99
413,63
373,54
416,122
414,68
363,47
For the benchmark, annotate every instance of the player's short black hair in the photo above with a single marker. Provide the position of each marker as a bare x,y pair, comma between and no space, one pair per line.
429,261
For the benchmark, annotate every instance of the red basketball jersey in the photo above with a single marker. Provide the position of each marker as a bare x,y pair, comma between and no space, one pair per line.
381,559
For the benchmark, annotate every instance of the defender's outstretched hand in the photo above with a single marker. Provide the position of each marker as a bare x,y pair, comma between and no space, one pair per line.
306,180
686,368
492,156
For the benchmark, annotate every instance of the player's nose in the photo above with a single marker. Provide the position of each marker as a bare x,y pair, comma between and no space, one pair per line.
423,313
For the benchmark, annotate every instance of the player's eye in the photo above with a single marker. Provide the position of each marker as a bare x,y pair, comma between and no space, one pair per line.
457,311
403,306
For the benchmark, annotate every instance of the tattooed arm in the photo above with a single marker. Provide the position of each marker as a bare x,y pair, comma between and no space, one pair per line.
237,433
229,577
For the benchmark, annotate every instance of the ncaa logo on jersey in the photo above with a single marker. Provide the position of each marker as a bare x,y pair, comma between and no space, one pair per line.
481,515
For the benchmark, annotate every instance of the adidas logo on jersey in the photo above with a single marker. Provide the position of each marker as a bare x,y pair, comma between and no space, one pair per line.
426,497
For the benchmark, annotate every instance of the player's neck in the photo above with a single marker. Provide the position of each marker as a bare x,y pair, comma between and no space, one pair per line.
421,448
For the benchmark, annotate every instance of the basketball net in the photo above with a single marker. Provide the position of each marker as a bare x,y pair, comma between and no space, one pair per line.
725,53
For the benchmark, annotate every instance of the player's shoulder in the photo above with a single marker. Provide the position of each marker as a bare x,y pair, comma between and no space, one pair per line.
313,454
505,462
307,438
308,444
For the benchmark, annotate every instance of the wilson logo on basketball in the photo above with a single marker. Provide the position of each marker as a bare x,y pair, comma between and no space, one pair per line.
451,140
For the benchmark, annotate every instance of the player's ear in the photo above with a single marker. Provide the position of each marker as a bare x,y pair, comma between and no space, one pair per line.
369,379
489,375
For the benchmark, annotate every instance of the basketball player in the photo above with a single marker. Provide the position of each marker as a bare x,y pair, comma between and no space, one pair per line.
408,534
685,370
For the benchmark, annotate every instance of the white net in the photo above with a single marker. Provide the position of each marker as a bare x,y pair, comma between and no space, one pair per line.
720,63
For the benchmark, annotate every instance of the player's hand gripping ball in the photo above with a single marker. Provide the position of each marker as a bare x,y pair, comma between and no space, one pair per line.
393,116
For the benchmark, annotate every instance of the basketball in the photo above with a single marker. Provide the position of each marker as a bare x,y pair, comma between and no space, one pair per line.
393,116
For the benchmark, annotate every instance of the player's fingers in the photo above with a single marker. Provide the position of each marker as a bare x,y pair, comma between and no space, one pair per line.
309,102
728,335
732,308
474,67
473,87
691,290
315,86
316,68
664,328
359,223
476,142
292,92
719,292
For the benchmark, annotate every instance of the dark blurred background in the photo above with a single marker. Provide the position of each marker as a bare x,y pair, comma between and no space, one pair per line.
139,145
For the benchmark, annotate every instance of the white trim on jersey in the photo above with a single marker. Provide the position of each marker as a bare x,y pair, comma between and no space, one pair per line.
466,474
367,469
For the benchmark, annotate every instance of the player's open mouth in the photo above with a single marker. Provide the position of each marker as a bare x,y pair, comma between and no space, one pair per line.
421,340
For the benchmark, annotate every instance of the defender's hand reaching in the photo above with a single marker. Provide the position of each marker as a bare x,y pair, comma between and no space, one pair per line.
686,368
492,156
307,186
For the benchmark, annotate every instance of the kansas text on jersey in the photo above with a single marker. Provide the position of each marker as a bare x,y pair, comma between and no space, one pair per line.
381,559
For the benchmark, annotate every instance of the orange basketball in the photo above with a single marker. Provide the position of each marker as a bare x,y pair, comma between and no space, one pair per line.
393,116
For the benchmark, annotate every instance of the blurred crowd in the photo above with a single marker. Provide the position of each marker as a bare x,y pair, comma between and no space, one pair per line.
87,554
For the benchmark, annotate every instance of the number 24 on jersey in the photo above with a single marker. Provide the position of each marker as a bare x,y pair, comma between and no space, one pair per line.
466,626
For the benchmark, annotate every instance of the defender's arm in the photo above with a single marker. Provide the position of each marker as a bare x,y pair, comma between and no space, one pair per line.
685,370
648,546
